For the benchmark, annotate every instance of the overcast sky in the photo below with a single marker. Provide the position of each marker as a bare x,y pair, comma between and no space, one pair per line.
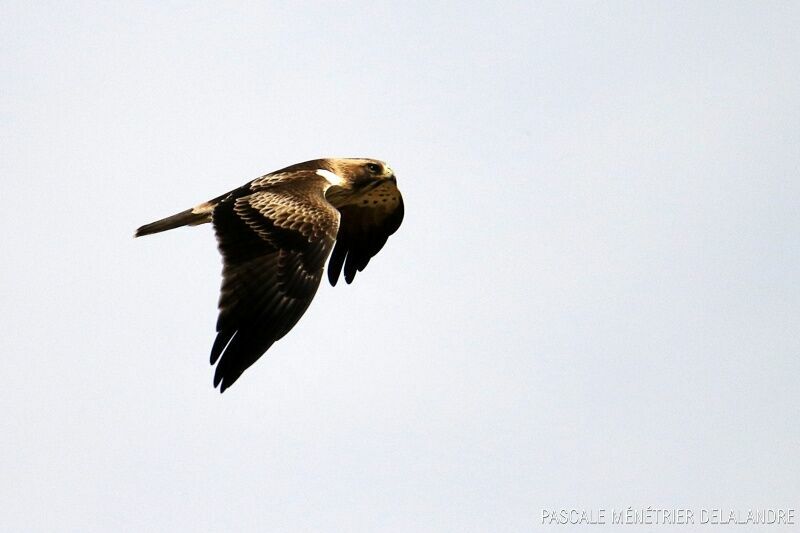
593,301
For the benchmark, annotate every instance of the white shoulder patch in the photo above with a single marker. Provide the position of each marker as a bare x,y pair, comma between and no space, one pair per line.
333,179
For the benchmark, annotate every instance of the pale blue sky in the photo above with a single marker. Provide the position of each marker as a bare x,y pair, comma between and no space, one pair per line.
593,300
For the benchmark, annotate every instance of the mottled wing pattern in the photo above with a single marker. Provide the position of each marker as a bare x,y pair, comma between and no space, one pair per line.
274,242
368,220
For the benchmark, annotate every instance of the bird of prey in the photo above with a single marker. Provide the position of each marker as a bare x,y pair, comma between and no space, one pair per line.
275,234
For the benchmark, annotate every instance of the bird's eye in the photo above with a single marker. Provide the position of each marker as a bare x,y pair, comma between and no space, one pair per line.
374,168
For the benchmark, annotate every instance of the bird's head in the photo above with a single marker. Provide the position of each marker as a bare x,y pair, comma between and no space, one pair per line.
351,179
358,173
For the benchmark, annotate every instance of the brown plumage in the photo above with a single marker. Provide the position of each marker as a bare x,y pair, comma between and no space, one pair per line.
275,234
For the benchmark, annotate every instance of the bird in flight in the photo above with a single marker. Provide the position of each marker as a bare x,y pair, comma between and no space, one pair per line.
275,234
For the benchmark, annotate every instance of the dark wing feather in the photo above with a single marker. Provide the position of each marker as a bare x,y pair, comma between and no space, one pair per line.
274,244
367,221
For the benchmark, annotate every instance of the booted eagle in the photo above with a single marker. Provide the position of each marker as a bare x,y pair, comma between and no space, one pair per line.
275,234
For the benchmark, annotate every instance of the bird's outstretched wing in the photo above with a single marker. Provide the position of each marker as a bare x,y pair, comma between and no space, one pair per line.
274,244
368,219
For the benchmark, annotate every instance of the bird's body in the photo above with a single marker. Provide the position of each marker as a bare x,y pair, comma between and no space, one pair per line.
275,234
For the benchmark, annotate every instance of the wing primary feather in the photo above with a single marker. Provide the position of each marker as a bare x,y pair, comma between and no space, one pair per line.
220,343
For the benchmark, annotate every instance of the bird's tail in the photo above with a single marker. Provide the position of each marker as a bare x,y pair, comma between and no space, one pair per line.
191,217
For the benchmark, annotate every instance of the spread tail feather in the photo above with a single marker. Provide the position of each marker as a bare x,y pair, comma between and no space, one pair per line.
190,217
